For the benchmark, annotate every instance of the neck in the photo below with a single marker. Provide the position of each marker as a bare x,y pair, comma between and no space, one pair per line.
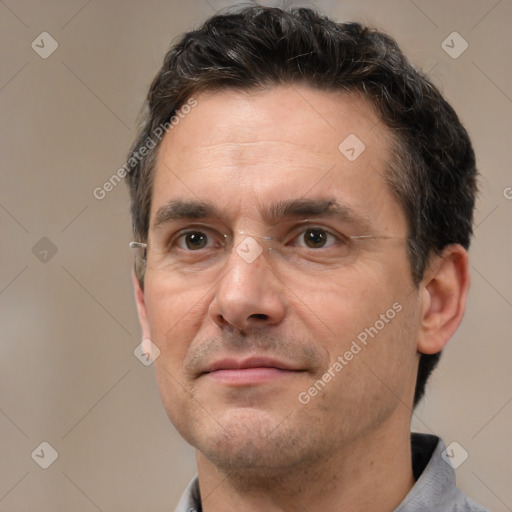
372,469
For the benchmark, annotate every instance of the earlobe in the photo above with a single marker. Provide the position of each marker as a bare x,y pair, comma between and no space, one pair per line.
444,291
140,302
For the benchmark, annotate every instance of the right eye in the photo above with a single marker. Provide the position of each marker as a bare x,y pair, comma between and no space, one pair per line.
195,240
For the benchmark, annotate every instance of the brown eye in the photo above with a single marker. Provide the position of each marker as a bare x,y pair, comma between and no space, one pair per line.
195,240
315,238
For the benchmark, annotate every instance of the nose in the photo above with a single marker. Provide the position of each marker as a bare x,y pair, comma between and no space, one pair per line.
250,295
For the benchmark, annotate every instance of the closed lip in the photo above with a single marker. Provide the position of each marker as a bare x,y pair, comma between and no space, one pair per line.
251,362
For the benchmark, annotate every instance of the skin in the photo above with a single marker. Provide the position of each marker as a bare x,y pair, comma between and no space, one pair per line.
259,447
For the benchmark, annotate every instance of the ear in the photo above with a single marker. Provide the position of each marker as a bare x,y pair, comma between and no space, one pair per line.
443,293
141,307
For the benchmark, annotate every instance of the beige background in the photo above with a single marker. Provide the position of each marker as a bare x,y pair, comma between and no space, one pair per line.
68,329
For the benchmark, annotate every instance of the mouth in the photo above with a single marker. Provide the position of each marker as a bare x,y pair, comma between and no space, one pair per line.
251,371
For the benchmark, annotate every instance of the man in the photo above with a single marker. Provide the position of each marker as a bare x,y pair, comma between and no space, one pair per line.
303,226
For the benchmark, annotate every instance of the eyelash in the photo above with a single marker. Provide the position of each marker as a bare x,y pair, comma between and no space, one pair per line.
181,237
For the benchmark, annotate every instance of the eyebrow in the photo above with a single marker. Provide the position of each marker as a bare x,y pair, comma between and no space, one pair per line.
179,209
329,207
303,208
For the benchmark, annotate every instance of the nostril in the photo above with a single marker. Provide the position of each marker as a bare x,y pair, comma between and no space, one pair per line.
259,316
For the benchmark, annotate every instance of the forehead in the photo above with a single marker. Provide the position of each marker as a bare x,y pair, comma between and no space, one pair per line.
243,149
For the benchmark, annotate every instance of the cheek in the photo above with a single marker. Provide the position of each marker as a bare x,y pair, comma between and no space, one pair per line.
386,365
342,303
175,314
377,369
379,315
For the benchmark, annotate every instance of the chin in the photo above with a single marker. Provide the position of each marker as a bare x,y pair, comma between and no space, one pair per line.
253,442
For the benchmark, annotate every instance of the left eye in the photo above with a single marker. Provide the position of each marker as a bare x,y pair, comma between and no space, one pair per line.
315,238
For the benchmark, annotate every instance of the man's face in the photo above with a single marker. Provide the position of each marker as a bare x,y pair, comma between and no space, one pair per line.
247,325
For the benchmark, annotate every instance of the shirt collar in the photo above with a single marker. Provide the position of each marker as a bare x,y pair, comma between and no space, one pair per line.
435,488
